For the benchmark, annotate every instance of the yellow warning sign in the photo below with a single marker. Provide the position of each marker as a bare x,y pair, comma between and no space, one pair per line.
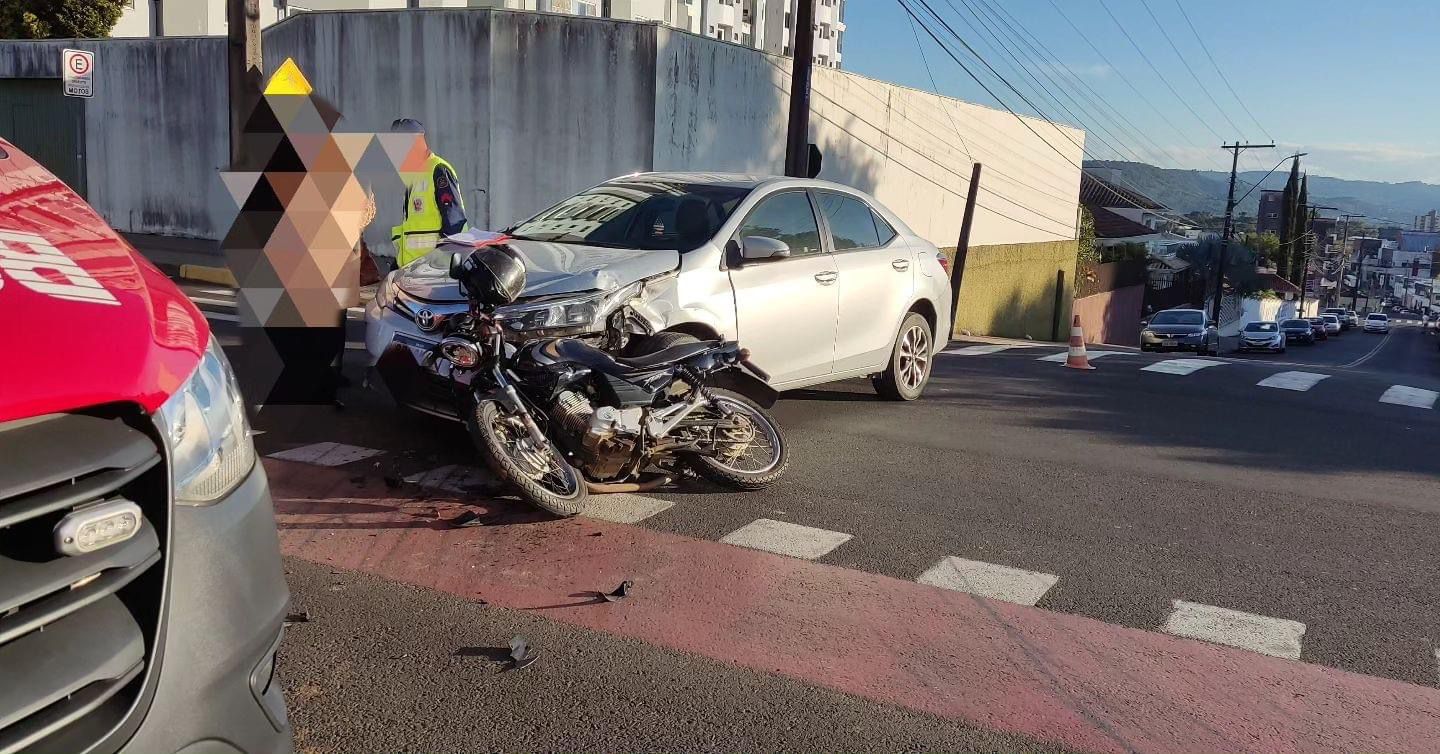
288,80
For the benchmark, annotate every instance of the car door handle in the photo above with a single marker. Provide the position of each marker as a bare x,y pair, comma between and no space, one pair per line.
900,265
826,278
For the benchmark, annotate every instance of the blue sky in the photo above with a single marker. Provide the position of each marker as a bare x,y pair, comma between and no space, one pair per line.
1353,84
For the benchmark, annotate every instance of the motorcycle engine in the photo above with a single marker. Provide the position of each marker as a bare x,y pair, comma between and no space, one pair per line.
603,437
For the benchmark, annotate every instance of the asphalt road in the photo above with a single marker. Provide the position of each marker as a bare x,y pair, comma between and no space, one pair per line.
1133,488
385,667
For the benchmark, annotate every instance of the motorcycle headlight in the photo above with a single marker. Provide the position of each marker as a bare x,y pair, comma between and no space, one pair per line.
585,313
209,436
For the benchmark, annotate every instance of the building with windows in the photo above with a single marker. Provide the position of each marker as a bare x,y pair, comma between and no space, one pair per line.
1268,219
762,24
1428,222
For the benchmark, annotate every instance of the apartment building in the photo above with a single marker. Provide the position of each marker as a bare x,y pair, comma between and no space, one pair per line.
763,24
1428,222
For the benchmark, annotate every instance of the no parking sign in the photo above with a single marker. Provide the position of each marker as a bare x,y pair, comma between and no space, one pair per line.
77,67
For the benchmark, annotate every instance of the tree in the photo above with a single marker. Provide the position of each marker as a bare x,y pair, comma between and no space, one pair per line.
1265,245
1087,253
58,19
1239,264
1287,217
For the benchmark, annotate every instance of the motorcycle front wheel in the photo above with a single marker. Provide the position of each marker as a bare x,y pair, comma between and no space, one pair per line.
750,456
538,471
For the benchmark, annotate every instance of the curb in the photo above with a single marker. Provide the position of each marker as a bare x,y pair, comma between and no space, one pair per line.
204,274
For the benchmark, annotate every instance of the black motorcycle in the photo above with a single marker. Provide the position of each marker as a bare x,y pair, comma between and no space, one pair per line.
558,418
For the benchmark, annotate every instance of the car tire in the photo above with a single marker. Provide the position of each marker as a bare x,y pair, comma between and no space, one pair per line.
900,382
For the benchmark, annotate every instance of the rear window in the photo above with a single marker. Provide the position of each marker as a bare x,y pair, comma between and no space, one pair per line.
1380,317
1178,318
1261,327
1330,317
1295,323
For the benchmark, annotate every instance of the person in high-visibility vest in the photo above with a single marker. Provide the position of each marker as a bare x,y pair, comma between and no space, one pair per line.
433,206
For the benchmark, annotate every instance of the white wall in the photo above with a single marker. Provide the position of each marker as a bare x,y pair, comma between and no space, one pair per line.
134,22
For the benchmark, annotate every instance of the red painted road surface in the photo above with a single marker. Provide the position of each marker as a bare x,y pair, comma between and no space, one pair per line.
1064,678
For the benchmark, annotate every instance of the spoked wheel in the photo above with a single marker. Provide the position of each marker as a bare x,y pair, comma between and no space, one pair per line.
909,370
538,470
750,452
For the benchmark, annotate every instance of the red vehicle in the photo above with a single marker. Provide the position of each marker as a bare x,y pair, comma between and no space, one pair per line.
141,593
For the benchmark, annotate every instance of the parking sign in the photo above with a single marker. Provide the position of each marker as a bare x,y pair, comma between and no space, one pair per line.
78,66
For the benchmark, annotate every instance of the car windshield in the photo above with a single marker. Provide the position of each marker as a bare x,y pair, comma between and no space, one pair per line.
1178,318
1261,327
637,214
1295,323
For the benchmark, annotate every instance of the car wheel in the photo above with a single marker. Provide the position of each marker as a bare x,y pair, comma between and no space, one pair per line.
904,379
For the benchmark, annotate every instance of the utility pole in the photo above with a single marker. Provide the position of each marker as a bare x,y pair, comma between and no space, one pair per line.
1235,150
962,246
1344,238
797,142
244,65
1308,255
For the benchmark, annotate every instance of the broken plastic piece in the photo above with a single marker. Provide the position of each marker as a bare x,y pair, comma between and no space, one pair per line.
521,654
299,617
620,592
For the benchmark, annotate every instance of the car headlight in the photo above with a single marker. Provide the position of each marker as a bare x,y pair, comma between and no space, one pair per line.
585,313
208,433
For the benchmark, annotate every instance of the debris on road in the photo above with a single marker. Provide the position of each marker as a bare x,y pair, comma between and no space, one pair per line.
521,653
302,616
620,592
468,518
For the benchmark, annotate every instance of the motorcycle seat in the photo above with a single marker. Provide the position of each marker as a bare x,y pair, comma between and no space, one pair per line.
667,356
570,349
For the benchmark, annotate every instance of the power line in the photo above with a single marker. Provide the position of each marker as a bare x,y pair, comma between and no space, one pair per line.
1204,89
1216,66
936,87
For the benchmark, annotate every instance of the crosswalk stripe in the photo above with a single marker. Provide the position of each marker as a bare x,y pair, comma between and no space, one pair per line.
1297,381
1181,366
997,582
1404,395
979,350
327,454
1276,637
784,538
1059,358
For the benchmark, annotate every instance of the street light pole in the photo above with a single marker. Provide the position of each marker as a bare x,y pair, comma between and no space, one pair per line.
1230,202
244,66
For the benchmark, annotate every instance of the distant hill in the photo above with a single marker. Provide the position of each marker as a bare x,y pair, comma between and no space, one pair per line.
1204,191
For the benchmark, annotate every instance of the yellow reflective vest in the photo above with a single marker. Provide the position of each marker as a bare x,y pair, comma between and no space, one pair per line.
424,194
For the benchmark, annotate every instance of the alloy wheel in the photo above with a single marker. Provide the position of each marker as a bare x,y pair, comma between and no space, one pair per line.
914,358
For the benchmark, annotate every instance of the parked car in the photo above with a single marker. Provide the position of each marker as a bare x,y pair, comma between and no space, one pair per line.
142,597
818,281
1341,315
1352,317
1298,331
1180,330
1317,328
1333,325
1261,336
1377,323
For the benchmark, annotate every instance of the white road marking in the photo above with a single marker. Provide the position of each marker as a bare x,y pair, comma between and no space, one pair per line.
979,350
1404,395
1276,637
625,509
784,538
218,292
997,582
1059,358
349,346
452,478
1297,381
229,341
219,317
1181,366
326,454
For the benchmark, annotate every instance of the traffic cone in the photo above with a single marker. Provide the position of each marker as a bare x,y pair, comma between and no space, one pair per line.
1077,358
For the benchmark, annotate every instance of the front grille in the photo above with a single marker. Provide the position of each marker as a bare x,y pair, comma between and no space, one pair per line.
77,633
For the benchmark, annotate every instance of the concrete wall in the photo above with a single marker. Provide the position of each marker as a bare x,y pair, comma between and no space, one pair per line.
155,133
1111,317
1009,290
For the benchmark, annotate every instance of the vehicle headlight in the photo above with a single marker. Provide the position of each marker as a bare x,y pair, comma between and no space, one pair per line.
586,313
208,432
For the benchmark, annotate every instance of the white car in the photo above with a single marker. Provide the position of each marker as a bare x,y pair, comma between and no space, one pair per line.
1377,323
818,280
1332,324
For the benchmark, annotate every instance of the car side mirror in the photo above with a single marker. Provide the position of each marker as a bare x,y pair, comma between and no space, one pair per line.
756,248
1212,323
457,262
1144,323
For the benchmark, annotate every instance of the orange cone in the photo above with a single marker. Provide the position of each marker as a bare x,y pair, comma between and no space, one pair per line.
1077,358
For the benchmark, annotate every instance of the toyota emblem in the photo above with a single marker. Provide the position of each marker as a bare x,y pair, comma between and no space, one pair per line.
425,319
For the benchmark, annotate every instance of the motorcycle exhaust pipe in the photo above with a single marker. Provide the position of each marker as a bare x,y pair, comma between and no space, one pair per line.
606,488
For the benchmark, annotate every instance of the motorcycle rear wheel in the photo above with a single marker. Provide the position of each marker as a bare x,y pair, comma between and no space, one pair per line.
502,439
733,473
